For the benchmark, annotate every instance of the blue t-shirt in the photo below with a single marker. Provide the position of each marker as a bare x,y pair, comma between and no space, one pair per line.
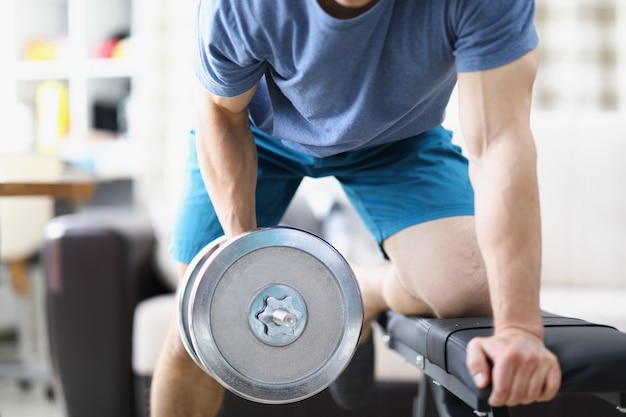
329,85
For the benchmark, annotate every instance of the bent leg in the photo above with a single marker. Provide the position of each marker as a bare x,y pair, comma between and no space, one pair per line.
381,291
435,269
179,386
439,262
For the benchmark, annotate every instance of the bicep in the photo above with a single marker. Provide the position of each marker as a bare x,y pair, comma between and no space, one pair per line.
211,104
495,103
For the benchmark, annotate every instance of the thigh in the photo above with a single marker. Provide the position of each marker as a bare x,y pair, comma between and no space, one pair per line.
440,263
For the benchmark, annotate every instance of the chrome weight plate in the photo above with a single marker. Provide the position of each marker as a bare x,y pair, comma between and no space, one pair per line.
191,275
274,314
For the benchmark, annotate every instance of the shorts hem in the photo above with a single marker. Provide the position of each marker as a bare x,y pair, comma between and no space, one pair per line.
419,218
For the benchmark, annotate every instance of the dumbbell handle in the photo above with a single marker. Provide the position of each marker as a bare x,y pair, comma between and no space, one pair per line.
284,318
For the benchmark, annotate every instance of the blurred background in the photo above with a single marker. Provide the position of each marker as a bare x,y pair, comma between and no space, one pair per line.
106,88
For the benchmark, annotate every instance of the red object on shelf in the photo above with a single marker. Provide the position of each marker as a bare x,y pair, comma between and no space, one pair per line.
105,48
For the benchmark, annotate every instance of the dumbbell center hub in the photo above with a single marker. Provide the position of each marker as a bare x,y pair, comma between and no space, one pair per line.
278,315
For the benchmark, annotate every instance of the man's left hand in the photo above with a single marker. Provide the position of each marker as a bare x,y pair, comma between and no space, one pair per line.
522,371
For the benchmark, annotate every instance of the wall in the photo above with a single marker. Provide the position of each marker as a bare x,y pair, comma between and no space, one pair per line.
582,174
580,128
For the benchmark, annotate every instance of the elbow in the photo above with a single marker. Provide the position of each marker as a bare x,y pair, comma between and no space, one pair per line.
506,153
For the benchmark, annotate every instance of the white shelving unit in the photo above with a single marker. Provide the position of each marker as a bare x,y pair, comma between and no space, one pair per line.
81,25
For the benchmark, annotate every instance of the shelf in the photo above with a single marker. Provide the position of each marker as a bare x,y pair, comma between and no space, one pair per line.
63,69
40,70
76,35
109,68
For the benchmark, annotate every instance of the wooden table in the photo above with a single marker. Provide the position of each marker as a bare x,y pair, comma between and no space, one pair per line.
65,187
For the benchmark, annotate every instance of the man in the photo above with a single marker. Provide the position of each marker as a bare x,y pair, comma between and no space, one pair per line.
357,89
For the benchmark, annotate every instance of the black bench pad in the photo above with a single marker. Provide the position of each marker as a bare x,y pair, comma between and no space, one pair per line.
592,356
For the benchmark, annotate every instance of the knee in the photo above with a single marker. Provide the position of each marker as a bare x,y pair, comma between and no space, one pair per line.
173,345
467,302
173,350
443,293
177,348
453,310
401,300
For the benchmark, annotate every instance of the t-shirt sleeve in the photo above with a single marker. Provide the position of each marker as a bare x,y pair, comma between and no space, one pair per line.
490,33
227,60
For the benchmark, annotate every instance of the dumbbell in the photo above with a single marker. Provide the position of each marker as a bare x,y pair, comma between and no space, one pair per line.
274,314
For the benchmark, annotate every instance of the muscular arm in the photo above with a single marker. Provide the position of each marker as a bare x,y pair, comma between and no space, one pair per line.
495,111
228,158
495,108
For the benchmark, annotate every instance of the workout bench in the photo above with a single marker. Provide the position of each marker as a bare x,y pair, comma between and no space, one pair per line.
592,359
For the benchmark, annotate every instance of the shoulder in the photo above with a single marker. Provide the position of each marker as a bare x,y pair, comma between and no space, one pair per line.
489,33
463,13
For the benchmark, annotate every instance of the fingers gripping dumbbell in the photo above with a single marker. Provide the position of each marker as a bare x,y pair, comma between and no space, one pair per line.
274,314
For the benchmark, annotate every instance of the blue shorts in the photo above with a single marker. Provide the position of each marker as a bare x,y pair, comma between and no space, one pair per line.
391,186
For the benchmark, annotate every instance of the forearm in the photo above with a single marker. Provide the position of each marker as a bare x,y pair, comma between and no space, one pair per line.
509,229
228,162
495,115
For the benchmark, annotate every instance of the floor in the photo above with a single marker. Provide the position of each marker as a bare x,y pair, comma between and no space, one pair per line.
16,401
24,387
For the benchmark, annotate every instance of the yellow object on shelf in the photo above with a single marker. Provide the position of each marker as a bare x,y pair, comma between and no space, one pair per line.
53,119
121,49
40,49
